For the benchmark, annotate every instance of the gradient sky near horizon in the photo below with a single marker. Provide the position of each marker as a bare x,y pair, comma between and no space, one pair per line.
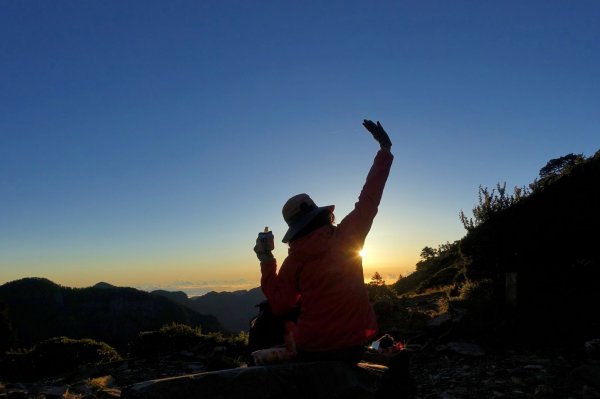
146,143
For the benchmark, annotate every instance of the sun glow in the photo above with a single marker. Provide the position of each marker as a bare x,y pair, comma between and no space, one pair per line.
362,253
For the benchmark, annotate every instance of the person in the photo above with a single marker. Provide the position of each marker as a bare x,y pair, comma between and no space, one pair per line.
322,273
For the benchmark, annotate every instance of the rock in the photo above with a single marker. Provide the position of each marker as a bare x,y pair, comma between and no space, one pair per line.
592,349
292,380
106,381
543,390
533,367
54,391
109,393
439,320
463,348
587,374
17,395
454,317
413,347
590,393
81,389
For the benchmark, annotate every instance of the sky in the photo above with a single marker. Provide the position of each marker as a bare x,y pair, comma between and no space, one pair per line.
146,143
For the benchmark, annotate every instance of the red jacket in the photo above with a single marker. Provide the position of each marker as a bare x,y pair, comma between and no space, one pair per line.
324,271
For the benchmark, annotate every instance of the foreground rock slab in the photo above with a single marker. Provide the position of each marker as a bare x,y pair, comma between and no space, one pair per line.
293,381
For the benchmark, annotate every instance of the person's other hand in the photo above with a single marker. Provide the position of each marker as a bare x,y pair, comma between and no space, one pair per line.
263,250
378,133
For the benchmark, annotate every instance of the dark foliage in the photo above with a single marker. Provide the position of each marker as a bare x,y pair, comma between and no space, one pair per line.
171,338
560,166
492,202
474,295
53,357
179,337
6,331
437,267
378,290
550,239
546,235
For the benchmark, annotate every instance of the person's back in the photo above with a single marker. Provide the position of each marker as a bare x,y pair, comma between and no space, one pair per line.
334,309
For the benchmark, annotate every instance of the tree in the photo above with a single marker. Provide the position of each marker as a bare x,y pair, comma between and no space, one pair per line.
428,253
378,291
558,166
377,280
490,203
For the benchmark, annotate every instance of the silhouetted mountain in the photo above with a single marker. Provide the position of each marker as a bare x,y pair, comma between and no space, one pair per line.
176,296
233,309
38,309
102,284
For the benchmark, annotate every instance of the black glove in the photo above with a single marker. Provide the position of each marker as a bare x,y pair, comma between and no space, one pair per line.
263,251
378,133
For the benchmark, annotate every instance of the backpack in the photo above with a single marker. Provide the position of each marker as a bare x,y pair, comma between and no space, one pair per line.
266,329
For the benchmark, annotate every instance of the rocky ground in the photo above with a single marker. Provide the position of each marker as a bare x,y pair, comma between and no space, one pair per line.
450,371
484,366
442,367
459,370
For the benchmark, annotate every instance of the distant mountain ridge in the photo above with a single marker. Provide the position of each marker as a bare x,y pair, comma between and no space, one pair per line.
233,309
38,308
176,296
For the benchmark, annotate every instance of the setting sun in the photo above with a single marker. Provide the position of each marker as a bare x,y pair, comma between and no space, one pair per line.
362,253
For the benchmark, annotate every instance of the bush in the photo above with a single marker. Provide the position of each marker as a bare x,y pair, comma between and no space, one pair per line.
437,267
443,277
379,293
55,356
170,338
6,330
474,295
411,282
180,337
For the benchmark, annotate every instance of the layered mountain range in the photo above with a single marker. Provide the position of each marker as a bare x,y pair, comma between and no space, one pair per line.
34,309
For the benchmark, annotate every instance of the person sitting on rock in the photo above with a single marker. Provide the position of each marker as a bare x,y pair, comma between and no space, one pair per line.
323,273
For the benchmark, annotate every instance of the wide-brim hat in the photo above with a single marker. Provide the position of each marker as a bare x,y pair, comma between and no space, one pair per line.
298,211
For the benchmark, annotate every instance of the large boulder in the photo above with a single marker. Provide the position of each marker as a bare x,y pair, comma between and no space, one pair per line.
327,380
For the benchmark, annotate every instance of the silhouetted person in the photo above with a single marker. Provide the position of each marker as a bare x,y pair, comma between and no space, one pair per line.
323,271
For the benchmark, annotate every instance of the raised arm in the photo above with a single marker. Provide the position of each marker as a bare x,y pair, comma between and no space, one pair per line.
356,225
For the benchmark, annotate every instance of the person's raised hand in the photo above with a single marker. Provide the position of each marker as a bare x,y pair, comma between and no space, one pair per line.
378,133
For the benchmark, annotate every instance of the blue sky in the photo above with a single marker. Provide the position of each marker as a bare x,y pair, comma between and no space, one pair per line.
146,143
